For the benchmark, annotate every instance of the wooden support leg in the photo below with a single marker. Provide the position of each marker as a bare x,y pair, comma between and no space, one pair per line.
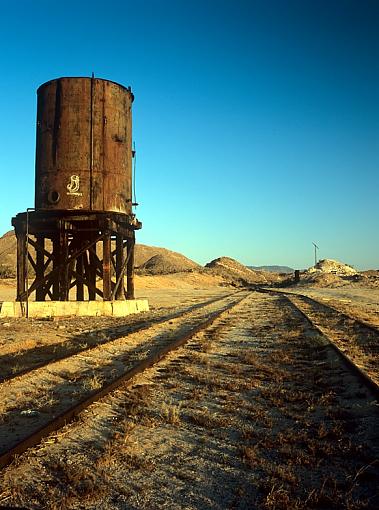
92,274
21,263
40,267
130,269
107,267
63,256
79,281
119,266
56,259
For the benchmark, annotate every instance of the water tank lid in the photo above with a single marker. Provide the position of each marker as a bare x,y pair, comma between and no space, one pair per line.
128,89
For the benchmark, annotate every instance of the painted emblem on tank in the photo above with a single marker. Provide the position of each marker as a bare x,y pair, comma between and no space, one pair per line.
74,185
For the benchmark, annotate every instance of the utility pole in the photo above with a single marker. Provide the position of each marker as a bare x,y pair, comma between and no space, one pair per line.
316,248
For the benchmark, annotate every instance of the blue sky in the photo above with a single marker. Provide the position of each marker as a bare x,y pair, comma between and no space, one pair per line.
256,122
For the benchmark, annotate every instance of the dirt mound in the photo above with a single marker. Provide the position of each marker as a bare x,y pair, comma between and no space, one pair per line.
143,253
330,273
371,273
322,280
167,263
334,267
234,271
370,277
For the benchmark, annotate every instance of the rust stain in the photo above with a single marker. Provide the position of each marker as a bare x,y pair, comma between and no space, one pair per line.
75,170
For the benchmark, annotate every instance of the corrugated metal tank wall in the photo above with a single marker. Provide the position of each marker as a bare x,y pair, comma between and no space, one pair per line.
84,146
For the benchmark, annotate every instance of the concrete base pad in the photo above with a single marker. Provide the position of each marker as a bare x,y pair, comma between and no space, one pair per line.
41,309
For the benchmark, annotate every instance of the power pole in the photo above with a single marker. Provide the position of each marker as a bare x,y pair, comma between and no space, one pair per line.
316,248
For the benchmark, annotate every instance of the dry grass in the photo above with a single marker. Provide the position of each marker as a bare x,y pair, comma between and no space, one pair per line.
170,413
250,456
200,358
64,483
208,420
93,383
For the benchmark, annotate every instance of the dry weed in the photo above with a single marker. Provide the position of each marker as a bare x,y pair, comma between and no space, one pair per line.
278,498
247,432
18,367
93,383
204,418
207,346
170,413
199,357
250,456
46,401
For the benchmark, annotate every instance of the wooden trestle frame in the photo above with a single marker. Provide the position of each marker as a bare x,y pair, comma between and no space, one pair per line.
60,250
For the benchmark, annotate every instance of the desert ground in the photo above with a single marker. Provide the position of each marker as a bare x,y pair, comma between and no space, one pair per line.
245,415
179,289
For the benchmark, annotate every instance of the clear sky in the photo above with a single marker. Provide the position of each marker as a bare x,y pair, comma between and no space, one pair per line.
256,122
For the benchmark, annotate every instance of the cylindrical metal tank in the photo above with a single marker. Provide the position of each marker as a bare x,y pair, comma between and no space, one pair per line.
84,146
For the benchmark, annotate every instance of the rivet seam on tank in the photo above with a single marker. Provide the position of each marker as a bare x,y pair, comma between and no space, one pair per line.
73,186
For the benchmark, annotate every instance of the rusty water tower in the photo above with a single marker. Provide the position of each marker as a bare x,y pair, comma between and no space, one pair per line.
81,232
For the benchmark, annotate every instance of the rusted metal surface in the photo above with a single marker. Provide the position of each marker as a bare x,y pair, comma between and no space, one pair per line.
83,193
84,146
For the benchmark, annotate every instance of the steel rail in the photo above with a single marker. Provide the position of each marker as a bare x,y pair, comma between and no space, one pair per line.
69,414
349,363
130,331
362,323
340,312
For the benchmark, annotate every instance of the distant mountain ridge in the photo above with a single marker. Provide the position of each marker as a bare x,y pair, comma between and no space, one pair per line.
273,269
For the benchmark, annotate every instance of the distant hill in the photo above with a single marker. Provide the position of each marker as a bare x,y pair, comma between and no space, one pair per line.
273,269
8,247
166,262
144,253
235,272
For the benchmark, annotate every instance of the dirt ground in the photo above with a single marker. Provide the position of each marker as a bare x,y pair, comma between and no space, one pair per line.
161,290
24,343
254,413
165,291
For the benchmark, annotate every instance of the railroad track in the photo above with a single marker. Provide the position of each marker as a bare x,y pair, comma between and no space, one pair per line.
355,341
46,398
9,363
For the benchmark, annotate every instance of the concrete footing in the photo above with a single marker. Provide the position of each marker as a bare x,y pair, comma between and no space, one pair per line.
43,309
